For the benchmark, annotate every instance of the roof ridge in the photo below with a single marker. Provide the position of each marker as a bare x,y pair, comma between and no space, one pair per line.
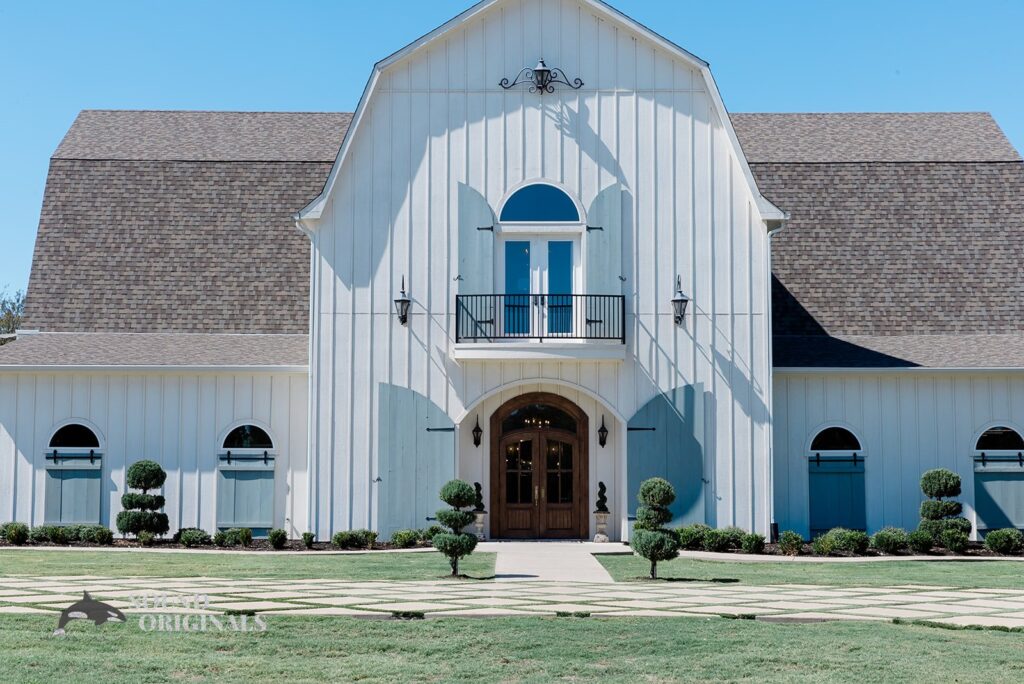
216,111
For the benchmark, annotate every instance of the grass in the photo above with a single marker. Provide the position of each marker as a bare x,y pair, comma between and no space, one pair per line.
947,573
510,650
376,566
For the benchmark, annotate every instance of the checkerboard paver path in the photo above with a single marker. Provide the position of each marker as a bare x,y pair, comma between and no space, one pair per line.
484,598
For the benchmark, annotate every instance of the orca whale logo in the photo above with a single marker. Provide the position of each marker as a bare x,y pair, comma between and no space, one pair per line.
88,609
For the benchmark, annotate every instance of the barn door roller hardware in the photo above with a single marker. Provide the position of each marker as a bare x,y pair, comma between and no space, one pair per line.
542,79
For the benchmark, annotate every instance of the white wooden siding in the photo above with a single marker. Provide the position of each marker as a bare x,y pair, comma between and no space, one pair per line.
907,422
175,419
438,118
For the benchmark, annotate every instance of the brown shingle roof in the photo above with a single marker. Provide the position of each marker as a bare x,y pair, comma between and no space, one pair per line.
134,237
842,138
205,136
900,351
147,349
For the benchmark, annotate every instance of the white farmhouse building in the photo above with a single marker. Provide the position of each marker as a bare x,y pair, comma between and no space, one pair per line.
543,258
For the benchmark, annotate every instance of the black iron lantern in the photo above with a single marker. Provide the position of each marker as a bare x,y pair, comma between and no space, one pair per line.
478,433
679,302
542,79
602,434
402,305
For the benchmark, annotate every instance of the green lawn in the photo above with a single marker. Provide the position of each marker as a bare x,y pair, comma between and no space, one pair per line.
377,566
512,649
999,574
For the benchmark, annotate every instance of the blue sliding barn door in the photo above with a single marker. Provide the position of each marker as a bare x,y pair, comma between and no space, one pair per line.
999,497
665,439
836,495
416,457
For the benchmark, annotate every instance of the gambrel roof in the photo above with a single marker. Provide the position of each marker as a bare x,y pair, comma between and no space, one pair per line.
903,248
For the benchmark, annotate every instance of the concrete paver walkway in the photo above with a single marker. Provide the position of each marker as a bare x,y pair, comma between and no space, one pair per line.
549,561
476,598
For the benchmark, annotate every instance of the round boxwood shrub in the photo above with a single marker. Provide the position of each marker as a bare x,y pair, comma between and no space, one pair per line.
48,533
691,537
790,543
734,535
841,540
650,537
146,538
16,533
823,544
940,483
278,538
454,543
954,540
889,540
193,537
1004,542
354,539
307,539
717,541
73,533
427,534
920,541
176,538
102,535
220,538
238,536
404,539
752,543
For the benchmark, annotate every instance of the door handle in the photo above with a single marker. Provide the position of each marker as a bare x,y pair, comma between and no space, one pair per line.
535,498
542,494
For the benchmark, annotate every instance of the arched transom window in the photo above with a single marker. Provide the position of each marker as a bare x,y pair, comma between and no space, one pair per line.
1000,439
74,436
248,437
540,203
835,439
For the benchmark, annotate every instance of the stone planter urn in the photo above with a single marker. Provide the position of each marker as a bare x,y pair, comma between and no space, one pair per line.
602,514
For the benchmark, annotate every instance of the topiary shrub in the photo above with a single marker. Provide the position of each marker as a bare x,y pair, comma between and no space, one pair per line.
717,541
752,543
790,543
889,540
140,512
937,515
404,539
307,539
954,540
1004,542
691,537
278,538
456,544
16,533
650,537
192,537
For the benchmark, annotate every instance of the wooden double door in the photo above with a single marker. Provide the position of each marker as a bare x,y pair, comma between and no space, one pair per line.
539,472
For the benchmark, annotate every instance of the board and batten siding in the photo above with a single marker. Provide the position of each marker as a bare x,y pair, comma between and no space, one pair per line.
436,121
906,422
175,419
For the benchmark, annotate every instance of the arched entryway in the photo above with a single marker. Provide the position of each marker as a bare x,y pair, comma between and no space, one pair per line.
539,469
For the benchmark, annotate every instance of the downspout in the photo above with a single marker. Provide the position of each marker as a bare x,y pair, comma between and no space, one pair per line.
774,227
312,509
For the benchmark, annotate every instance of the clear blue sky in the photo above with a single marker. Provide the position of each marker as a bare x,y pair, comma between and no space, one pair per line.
57,58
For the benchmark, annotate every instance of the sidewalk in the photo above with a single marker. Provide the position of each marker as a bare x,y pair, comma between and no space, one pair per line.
550,561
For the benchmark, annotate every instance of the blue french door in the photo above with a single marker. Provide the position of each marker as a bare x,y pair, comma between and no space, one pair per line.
539,275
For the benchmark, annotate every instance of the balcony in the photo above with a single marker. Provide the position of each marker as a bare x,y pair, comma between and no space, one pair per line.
540,326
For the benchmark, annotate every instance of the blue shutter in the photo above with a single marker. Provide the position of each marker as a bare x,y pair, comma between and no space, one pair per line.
245,498
72,496
999,499
666,439
604,242
836,492
417,456
476,247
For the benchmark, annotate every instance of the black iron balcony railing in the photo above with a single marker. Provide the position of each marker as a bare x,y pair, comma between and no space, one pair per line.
503,317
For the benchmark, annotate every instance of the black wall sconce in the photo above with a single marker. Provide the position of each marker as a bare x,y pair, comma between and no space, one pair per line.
542,79
402,305
679,302
602,434
477,433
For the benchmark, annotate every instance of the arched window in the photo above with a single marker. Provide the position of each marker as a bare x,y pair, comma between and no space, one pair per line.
540,203
248,437
1000,439
541,416
835,439
74,436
